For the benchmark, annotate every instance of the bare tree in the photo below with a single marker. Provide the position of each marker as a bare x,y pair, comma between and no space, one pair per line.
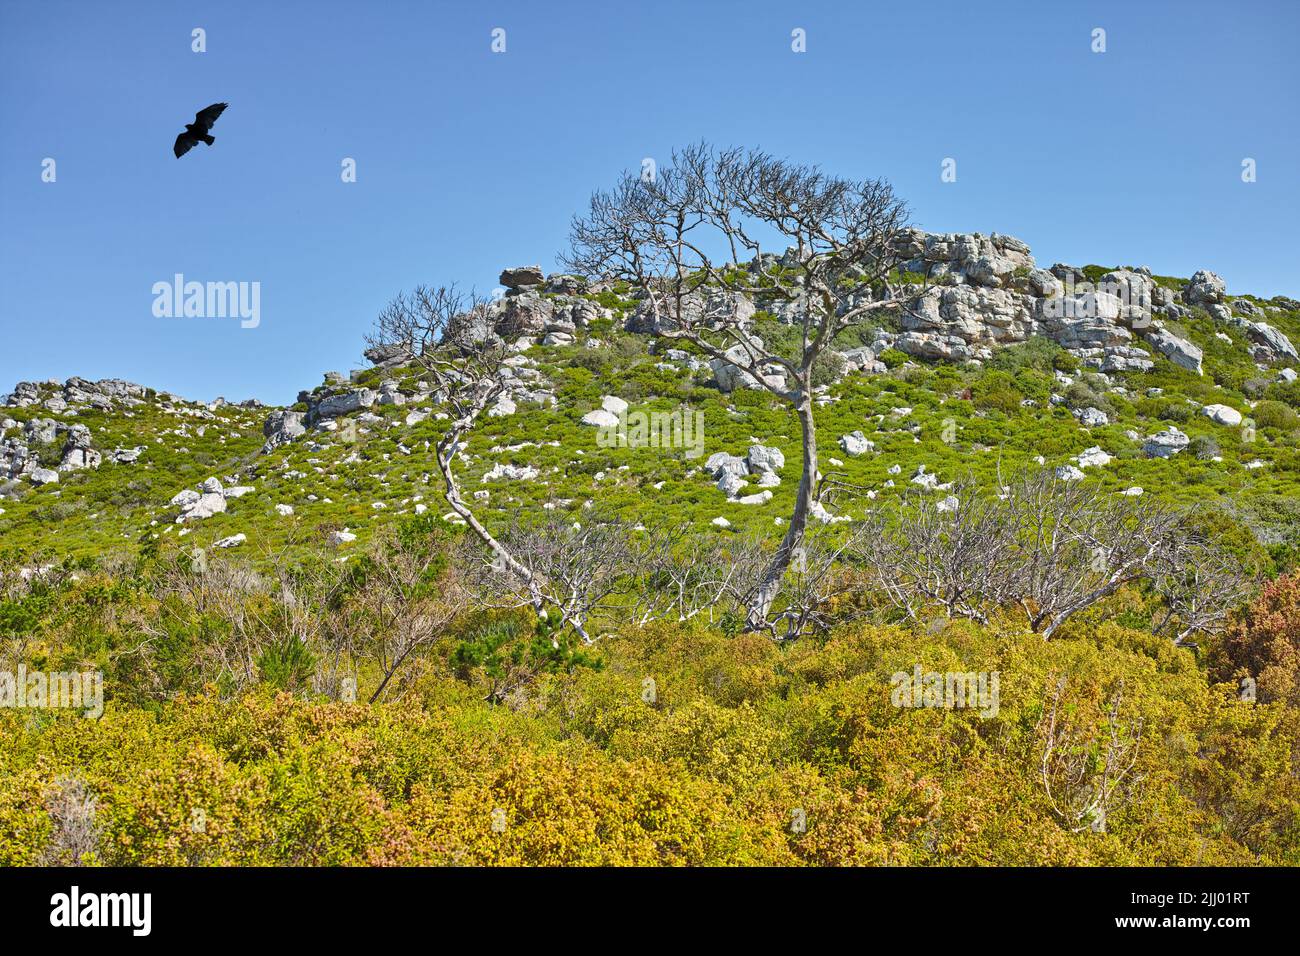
575,570
1076,544
685,574
952,552
1201,588
817,579
1050,547
404,602
449,335
74,832
689,241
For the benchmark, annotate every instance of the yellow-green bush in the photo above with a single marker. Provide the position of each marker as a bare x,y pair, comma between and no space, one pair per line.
745,753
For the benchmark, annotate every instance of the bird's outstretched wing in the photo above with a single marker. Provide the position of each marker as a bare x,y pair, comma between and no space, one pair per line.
184,143
205,118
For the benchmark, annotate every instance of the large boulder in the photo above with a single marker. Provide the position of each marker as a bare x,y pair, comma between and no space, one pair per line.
855,443
1126,358
521,276
1205,288
721,463
1166,444
729,377
600,418
282,427
40,431
1179,351
388,356
1222,415
1272,343
763,459
343,403
526,313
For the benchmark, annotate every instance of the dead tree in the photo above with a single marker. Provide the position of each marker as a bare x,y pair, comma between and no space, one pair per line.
1200,590
689,241
449,335
684,575
952,552
817,579
402,602
1051,548
1077,543
574,570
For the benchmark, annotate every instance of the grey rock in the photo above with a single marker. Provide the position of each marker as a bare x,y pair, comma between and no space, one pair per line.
1177,350
1166,444
342,404
765,459
521,276
1204,288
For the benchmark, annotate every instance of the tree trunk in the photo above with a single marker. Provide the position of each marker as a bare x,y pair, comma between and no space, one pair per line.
760,605
446,451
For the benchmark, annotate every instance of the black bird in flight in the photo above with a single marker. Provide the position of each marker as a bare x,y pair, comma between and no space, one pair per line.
198,130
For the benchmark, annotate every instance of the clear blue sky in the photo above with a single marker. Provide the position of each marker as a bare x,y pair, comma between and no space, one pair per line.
468,161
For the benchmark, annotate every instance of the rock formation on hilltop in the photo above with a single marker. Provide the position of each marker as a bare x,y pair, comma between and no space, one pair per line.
985,292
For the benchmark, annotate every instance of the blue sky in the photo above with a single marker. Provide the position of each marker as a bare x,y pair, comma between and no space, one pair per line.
468,161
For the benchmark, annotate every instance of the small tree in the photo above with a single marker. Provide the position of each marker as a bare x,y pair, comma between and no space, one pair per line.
1077,543
690,242
1086,757
450,336
575,569
953,553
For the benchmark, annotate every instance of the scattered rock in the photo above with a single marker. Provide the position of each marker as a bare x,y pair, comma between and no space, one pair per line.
1222,415
1093,457
1166,444
855,443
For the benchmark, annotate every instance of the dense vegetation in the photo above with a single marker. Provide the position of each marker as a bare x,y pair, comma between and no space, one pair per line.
734,740
289,702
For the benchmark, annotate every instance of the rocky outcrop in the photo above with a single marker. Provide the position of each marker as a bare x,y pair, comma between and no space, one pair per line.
1205,288
78,393
282,427
18,459
704,310
77,451
976,259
